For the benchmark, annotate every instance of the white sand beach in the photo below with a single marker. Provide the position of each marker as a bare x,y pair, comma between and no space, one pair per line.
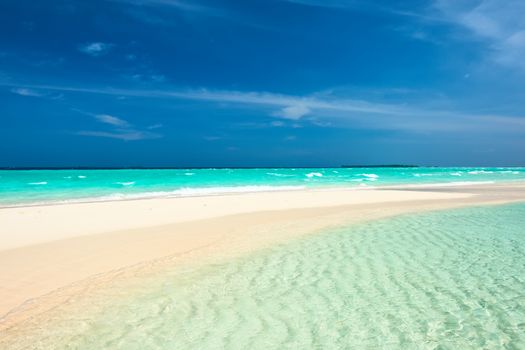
47,248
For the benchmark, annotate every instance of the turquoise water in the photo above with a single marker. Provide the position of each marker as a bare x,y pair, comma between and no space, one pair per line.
442,280
43,186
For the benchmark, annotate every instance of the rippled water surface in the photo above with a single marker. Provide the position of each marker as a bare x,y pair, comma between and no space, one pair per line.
443,280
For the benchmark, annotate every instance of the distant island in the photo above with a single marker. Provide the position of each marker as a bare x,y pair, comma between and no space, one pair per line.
381,166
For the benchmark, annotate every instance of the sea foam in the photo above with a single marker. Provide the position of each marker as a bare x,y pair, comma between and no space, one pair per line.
279,175
310,175
370,177
129,183
477,172
182,192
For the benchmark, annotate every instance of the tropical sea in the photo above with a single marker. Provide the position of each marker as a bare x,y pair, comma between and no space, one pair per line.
451,279
23,187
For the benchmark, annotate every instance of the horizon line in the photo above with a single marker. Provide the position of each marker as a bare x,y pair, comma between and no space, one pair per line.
251,167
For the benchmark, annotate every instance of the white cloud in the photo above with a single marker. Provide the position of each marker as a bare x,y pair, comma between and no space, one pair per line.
155,126
245,98
126,135
109,119
497,23
325,3
22,91
322,124
139,10
294,112
182,5
95,49
329,110
154,78
119,128
26,92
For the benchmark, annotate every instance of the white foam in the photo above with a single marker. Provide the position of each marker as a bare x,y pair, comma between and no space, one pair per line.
509,172
476,172
279,175
458,173
183,192
310,175
370,177
375,176
81,176
38,183
419,175
129,183
189,174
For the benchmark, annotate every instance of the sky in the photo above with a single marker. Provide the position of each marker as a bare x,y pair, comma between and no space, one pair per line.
194,83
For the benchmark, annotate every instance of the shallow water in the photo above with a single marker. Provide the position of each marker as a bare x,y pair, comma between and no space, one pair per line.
450,279
18,187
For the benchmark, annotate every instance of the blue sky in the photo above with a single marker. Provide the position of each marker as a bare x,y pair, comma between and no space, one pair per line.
261,83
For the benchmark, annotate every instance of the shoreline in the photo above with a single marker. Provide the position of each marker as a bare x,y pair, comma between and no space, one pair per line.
30,225
127,238
267,189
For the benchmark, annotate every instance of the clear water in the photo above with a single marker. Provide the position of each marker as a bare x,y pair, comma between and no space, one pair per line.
443,280
42,186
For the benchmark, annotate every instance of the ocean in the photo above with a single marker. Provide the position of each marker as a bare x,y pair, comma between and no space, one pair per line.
23,187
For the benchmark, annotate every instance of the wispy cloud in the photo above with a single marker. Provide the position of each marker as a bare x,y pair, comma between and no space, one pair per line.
325,3
498,23
22,91
178,4
154,78
294,112
111,120
392,8
121,129
242,98
161,12
155,126
126,135
26,92
95,49
327,110
147,12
